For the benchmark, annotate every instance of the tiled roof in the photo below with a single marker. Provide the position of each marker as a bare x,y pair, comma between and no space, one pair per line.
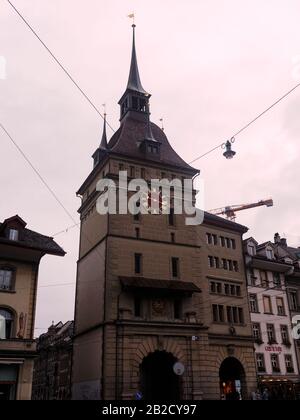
125,142
35,240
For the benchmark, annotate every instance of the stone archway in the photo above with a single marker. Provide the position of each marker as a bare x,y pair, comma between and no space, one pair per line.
157,378
232,379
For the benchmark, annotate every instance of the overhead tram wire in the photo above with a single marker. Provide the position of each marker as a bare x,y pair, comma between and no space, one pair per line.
248,124
99,113
59,64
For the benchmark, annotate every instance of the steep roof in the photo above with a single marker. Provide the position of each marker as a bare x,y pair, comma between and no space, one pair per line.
30,239
132,131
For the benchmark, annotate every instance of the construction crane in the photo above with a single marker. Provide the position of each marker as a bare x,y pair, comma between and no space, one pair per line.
230,211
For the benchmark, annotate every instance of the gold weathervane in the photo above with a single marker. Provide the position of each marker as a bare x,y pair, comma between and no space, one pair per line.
132,16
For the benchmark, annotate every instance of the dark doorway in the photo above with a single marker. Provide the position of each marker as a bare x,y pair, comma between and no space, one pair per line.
232,379
158,380
7,392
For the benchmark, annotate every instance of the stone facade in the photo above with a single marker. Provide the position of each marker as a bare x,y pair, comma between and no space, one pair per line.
144,296
52,366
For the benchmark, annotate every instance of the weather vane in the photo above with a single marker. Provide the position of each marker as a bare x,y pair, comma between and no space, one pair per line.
104,109
162,124
131,16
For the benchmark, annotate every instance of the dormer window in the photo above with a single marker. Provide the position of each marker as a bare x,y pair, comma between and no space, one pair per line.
152,148
251,249
270,254
13,234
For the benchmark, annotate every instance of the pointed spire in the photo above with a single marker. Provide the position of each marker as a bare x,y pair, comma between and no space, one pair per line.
103,144
134,81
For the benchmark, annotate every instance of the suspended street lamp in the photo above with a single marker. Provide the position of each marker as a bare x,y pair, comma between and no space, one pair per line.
229,153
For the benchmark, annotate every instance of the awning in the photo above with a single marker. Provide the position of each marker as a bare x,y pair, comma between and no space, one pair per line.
163,286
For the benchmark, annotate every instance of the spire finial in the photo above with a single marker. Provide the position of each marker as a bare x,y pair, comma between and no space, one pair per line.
134,81
162,123
103,144
132,16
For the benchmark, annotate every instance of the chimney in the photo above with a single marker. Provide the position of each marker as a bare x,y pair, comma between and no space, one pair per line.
283,242
276,238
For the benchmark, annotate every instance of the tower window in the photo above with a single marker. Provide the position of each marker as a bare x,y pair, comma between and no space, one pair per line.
6,279
177,309
137,307
137,263
171,217
175,267
135,103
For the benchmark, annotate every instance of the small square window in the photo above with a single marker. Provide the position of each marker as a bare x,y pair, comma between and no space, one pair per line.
13,234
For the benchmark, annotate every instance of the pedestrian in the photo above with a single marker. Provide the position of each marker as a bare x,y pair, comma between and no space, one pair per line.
265,395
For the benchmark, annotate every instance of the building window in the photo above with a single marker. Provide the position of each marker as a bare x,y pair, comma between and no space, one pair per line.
177,309
270,254
222,241
209,238
171,217
218,313
275,363
217,262
267,305
225,265
264,279
260,362
143,173
293,301
121,166
289,363
256,332
228,243
173,238
251,250
276,280
285,335
235,315
137,233
271,334
6,277
132,171
233,243
6,324
13,234
215,239
138,263
230,265
175,267
137,215
215,287
280,306
253,303
211,261
137,307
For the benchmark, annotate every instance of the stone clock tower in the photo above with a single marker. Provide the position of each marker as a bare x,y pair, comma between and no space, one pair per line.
140,323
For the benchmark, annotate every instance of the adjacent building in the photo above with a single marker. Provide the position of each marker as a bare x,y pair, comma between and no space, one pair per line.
53,364
21,251
161,308
276,359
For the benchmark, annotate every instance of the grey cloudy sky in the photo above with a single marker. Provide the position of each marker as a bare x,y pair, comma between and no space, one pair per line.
211,66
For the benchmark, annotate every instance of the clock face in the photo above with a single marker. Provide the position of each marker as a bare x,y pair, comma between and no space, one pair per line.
154,202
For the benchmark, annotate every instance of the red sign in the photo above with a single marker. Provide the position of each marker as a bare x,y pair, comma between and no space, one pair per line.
274,349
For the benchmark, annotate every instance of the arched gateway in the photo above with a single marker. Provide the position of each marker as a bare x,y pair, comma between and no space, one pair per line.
232,379
157,378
